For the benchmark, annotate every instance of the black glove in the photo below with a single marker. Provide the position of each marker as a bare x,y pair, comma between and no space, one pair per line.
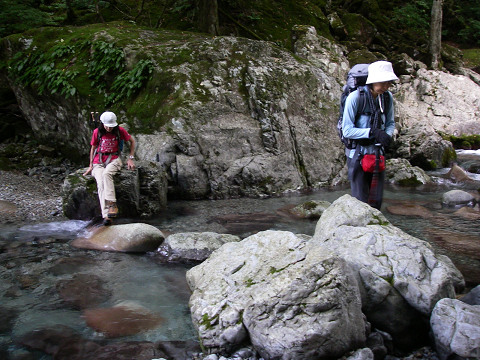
381,137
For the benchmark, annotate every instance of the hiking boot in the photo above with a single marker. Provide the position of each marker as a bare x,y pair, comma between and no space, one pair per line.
107,221
112,208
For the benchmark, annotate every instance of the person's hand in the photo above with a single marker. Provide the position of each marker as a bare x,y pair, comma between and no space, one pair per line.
381,137
130,164
89,170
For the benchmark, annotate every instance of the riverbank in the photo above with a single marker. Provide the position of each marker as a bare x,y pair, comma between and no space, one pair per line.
29,198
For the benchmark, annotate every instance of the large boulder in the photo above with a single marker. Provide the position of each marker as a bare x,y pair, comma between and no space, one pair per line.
140,193
135,237
441,101
427,104
290,299
401,277
456,329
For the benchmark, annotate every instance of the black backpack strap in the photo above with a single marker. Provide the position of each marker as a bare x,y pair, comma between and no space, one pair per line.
361,101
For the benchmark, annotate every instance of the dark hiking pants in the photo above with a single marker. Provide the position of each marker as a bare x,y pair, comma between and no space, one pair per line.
361,181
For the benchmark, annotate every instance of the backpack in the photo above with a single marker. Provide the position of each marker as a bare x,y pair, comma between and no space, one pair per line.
356,77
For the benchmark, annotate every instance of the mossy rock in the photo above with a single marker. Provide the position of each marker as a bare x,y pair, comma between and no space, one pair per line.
361,56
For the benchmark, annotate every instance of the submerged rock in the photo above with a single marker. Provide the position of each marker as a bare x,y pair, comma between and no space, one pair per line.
123,319
83,291
136,237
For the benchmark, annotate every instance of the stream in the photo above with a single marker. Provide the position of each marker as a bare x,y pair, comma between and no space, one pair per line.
40,257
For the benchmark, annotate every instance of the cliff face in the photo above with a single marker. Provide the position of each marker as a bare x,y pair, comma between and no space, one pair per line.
223,116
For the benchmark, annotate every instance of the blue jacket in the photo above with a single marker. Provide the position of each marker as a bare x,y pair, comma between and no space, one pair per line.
360,129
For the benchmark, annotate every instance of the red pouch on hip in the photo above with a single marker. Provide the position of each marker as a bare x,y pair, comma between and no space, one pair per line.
368,163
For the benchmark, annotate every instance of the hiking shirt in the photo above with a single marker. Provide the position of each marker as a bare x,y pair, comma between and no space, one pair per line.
108,144
360,129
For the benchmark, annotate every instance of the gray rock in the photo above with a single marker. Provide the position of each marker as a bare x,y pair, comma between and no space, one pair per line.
312,209
457,197
401,276
456,329
473,297
423,147
362,354
140,193
401,172
451,100
193,246
459,175
290,299
136,237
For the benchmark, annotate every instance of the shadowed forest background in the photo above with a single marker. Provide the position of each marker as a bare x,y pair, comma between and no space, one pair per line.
400,26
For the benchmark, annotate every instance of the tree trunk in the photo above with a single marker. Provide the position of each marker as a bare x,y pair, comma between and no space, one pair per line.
435,45
208,16
71,17
97,10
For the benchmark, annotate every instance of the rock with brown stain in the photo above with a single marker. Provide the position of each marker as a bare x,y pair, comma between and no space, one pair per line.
124,319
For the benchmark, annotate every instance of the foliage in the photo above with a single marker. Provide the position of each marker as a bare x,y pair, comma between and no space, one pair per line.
20,15
130,82
414,15
472,57
38,70
260,19
107,59
461,21
57,71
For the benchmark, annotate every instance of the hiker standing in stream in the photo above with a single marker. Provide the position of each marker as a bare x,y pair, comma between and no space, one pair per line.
368,120
105,161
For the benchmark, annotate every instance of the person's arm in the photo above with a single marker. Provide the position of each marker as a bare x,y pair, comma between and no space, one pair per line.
130,162
90,168
350,131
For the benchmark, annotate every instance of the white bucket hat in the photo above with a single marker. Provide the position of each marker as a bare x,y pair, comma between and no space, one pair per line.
380,71
109,119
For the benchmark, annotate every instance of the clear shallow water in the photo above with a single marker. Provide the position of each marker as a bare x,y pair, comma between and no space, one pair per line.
34,261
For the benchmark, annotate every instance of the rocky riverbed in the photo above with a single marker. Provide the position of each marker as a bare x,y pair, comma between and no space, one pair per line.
29,198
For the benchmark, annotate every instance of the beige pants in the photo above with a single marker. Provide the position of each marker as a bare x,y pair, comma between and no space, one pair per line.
105,186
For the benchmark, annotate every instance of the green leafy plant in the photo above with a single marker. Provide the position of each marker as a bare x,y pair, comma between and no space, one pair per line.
38,70
129,82
53,72
106,60
414,15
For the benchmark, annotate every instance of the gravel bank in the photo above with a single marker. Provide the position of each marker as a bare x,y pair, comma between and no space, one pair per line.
29,199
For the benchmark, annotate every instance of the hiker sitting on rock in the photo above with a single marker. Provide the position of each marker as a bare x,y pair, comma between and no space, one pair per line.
371,128
106,162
